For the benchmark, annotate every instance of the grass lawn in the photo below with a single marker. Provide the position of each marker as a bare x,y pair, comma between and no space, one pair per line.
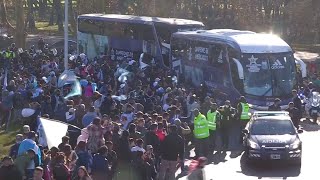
44,26
7,139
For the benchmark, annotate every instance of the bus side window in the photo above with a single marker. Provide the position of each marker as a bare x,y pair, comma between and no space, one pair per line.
180,49
237,82
217,55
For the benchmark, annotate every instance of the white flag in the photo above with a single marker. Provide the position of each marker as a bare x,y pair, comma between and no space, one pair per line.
51,132
5,81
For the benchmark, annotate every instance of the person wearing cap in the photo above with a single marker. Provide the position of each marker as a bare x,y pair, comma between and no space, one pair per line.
294,114
14,148
8,170
213,118
275,106
151,160
228,114
201,134
25,161
297,101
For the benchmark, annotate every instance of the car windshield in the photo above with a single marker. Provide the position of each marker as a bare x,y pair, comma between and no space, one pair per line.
272,127
271,75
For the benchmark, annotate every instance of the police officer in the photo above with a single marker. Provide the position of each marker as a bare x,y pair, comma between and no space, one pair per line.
213,117
294,114
201,134
227,116
244,114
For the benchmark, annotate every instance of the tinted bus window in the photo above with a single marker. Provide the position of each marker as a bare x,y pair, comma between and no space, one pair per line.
217,55
180,49
116,29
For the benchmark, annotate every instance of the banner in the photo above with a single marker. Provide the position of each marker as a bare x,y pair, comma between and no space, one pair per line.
51,132
76,90
67,77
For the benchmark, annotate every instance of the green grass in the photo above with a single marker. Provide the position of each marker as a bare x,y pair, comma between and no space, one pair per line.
44,26
7,139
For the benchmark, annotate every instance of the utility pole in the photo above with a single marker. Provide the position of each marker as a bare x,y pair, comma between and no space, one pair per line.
66,34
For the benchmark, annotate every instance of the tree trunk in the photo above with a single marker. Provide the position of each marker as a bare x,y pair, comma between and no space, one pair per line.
20,37
72,18
3,15
42,8
30,18
58,9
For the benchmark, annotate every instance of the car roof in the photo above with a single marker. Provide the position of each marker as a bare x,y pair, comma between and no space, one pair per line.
270,113
278,118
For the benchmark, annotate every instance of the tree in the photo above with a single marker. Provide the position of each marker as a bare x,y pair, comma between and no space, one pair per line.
3,15
56,10
20,35
30,22
72,19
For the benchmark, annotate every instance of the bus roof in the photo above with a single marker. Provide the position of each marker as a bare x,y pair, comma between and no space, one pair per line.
244,41
141,19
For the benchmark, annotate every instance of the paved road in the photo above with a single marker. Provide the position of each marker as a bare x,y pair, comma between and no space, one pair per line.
232,166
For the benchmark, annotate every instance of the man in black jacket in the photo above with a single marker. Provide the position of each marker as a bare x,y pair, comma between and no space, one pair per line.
227,120
294,113
151,138
297,101
171,148
8,170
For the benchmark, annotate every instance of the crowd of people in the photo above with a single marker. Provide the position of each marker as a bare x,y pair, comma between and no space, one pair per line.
149,130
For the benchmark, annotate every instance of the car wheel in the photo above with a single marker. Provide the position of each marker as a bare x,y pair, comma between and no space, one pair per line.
247,160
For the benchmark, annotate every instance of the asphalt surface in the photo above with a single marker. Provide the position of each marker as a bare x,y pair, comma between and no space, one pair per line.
33,39
232,165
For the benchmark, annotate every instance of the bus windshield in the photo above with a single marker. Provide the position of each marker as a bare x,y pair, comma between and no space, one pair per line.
270,75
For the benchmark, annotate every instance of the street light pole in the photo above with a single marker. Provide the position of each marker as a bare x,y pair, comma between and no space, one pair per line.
66,37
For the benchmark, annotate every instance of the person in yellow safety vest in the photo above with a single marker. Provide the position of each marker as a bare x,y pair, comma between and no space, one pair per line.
243,113
213,118
201,134
9,54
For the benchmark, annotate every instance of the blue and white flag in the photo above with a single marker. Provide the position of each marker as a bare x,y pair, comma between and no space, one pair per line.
67,77
76,90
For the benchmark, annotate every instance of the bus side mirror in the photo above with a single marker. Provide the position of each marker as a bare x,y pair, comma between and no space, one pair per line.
300,131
